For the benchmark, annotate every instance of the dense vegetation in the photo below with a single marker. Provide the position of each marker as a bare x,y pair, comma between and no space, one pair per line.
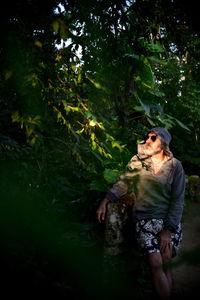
81,82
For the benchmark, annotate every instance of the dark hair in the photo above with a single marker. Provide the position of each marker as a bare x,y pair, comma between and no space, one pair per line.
165,147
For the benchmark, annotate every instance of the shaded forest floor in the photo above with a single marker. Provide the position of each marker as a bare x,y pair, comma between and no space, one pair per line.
187,275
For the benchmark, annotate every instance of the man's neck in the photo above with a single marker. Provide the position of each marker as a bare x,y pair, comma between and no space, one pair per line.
158,157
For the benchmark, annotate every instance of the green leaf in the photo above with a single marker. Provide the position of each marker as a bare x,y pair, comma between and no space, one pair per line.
146,75
151,122
63,31
134,56
155,47
146,107
157,61
55,26
98,185
38,44
111,176
182,125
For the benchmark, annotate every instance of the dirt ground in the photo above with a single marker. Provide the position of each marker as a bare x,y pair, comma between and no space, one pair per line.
186,275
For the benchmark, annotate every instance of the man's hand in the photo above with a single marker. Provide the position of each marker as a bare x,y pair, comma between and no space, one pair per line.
165,242
101,211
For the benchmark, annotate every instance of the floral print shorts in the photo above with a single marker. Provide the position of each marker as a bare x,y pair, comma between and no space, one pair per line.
147,232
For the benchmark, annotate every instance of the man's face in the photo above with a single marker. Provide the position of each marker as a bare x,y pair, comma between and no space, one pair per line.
153,144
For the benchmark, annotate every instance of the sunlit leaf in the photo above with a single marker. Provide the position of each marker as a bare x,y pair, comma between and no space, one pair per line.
80,131
92,123
38,44
56,26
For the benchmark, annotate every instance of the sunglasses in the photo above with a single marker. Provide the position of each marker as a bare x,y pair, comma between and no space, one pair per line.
153,138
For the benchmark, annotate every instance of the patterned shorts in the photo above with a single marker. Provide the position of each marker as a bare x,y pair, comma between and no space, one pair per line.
147,232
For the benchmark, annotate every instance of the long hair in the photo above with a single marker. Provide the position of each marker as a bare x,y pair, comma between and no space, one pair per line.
165,147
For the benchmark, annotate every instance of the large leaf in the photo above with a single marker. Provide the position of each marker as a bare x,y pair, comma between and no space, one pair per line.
143,70
98,185
111,176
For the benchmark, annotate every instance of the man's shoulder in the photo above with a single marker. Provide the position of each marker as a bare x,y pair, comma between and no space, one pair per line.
177,164
176,160
134,158
134,162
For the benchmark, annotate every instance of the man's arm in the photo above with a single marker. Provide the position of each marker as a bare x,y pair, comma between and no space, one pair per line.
175,211
101,211
120,188
177,199
127,180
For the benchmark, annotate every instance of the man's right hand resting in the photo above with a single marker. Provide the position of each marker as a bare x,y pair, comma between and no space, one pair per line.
101,211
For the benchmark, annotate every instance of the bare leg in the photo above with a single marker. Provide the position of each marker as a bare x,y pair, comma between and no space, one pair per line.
159,277
166,259
168,274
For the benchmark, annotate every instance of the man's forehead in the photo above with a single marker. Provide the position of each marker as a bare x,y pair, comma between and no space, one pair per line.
151,132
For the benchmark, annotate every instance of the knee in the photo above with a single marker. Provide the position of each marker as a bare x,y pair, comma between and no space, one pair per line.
155,261
166,258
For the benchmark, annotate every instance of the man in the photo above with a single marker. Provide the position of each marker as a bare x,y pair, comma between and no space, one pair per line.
158,182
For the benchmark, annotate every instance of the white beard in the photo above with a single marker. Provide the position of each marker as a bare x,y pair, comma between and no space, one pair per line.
150,151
